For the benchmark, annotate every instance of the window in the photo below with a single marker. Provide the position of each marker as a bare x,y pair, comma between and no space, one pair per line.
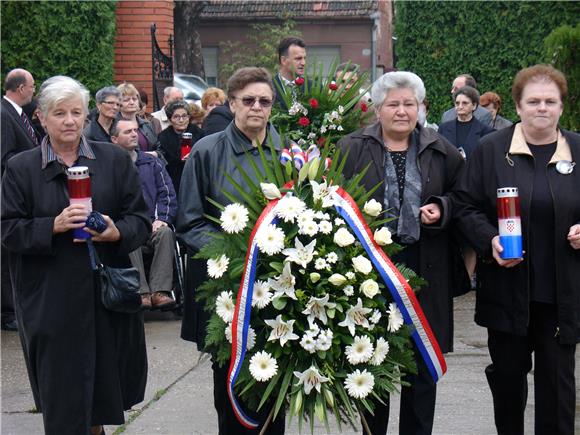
210,64
321,54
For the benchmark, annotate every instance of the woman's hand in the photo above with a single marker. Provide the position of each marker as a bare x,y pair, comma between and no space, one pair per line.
574,236
111,233
496,249
430,214
73,216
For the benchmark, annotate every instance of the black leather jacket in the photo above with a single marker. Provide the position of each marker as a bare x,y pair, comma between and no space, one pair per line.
203,177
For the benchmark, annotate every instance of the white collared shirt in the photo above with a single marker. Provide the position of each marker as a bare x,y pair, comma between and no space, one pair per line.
16,106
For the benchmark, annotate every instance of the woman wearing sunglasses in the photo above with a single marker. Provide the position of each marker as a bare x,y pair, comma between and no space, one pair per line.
250,95
178,113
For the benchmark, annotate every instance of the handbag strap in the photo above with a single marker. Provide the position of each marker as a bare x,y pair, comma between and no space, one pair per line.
95,261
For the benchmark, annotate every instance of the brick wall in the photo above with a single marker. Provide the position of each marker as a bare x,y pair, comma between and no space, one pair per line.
133,40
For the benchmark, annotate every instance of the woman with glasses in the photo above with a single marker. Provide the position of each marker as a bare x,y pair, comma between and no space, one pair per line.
130,107
178,113
108,105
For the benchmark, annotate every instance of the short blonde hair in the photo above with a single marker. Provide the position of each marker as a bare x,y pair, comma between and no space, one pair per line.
129,89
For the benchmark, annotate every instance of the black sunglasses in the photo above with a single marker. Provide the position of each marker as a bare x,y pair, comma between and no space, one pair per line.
250,101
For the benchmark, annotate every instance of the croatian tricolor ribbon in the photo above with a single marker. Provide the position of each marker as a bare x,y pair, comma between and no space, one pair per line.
400,289
301,157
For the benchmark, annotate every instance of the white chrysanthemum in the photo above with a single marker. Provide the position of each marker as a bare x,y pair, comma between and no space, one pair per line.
348,290
375,317
325,227
289,208
263,366
395,318
360,351
359,384
309,228
331,257
224,306
306,216
338,222
308,342
322,216
324,340
216,268
234,218
320,264
262,295
381,351
270,239
349,275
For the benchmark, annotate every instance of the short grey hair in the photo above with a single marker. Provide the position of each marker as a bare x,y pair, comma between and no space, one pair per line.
57,89
397,80
105,92
168,90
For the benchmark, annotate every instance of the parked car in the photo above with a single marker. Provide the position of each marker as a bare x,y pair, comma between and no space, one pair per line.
192,86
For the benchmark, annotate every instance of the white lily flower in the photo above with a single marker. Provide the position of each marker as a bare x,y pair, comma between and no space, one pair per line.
310,378
356,315
283,285
323,192
281,330
316,309
270,191
300,254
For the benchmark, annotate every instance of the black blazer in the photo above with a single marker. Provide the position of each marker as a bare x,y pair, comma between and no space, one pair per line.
478,129
15,137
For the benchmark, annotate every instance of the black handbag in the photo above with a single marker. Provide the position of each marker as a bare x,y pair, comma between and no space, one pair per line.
119,286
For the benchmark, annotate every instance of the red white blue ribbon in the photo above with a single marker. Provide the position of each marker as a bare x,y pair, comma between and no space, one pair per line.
401,292
301,157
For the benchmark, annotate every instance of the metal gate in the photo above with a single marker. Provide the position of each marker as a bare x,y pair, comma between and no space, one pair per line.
162,68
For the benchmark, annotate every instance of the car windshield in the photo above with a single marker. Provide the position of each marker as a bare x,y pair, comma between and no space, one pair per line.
196,81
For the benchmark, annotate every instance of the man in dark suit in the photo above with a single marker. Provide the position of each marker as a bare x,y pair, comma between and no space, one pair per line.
17,136
483,115
292,64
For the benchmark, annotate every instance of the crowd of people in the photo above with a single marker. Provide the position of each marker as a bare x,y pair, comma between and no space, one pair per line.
88,364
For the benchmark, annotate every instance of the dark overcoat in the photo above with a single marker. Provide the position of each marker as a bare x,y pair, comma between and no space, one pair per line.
86,364
478,129
440,165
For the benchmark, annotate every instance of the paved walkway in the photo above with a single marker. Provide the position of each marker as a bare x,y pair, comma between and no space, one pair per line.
179,396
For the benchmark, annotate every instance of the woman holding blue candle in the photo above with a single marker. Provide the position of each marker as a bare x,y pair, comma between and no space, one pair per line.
530,304
85,364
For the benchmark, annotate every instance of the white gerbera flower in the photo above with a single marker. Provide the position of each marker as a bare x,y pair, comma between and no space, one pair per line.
356,315
375,317
310,378
262,295
320,264
316,309
228,333
217,267
308,342
300,254
395,318
289,208
263,366
324,340
331,257
359,384
234,218
309,228
224,306
360,351
283,285
325,227
348,290
281,330
270,239
381,351
323,192
349,275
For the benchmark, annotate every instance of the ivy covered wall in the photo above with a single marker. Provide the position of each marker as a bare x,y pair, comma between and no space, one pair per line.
490,40
47,38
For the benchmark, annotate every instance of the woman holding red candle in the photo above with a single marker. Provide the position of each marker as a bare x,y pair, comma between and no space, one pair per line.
86,364
173,144
529,305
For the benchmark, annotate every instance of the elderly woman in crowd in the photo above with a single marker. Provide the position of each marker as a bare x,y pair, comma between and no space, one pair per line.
250,95
492,102
529,304
197,114
465,131
178,113
417,169
108,105
130,107
86,364
211,98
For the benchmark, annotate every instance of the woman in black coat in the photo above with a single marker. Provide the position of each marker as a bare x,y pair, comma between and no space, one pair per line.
465,131
417,169
178,113
529,305
86,364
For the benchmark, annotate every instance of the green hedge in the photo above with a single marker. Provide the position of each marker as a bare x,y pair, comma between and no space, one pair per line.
490,40
48,38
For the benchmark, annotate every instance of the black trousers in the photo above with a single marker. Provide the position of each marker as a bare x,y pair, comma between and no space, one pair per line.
227,422
7,297
554,363
417,409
